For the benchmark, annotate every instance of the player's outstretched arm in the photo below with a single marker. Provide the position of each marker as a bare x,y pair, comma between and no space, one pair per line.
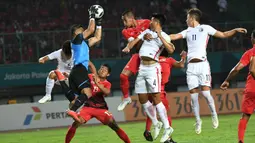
92,68
97,38
181,63
174,37
230,33
90,30
130,45
252,67
44,59
231,75
167,44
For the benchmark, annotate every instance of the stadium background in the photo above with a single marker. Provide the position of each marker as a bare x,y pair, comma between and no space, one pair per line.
33,28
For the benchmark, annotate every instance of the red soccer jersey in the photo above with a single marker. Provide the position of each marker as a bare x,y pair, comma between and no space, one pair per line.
245,60
166,66
97,100
132,33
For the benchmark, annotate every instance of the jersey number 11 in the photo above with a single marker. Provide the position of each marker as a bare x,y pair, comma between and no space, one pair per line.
194,37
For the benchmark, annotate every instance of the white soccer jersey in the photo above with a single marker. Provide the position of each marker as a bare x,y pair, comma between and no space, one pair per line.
197,39
62,65
152,48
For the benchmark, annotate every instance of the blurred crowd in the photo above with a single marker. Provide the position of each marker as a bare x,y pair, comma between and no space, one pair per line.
32,28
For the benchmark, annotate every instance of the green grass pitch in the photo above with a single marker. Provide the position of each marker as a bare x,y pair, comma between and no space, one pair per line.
184,133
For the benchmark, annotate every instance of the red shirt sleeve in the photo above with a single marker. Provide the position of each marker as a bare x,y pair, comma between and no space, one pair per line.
245,60
171,61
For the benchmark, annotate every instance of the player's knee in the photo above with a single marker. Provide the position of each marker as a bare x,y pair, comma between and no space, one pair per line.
246,116
123,77
52,75
126,73
87,92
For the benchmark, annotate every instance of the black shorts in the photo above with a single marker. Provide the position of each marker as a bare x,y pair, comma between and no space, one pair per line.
79,79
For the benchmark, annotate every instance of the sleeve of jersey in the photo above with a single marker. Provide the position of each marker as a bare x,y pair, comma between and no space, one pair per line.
210,29
54,55
171,61
127,36
78,39
142,34
184,33
245,60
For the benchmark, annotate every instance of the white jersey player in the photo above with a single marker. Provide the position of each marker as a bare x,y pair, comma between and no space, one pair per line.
148,80
198,70
65,64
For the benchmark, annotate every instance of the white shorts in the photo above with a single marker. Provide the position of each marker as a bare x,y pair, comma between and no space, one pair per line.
148,79
198,74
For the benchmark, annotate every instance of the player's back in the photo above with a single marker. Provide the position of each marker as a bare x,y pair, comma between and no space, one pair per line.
197,39
80,50
63,64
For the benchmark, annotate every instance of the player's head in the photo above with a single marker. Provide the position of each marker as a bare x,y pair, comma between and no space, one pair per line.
193,16
253,37
76,29
157,20
66,48
164,53
104,71
128,18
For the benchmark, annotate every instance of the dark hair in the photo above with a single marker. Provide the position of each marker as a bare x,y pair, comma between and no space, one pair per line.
195,13
74,27
160,17
128,13
164,53
108,67
253,33
66,48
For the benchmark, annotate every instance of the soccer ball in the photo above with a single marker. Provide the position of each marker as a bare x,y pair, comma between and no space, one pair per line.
99,11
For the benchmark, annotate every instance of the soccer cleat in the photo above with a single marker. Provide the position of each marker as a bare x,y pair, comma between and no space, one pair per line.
215,121
170,140
167,133
45,99
198,127
73,115
59,75
124,103
157,129
147,135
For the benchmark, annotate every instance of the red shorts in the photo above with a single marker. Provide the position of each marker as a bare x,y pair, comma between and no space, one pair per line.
248,102
102,115
133,64
163,99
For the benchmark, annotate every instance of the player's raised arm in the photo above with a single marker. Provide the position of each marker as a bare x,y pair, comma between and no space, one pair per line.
252,67
91,27
97,38
229,33
166,42
181,63
92,68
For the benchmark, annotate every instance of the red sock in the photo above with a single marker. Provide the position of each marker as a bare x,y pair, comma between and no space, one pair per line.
148,124
124,85
70,134
241,129
170,120
123,135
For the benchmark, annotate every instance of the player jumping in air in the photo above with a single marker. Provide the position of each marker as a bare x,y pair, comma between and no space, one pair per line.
148,81
65,64
133,29
198,70
78,78
96,106
248,102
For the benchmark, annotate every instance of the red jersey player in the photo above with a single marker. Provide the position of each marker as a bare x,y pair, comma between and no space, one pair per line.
166,63
248,102
133,29
96,107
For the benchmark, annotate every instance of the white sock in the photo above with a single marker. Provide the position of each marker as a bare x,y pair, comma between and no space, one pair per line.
49,86
162,114
148,108
195,105
210,102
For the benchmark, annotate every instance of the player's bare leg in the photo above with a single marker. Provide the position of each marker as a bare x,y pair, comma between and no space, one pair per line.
50,81
72,129
122,135
124,85
242,127
206,93
195,107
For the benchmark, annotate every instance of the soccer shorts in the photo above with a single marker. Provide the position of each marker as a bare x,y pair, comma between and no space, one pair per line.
133,64
102,115
148,79
198,74
248,102
78,78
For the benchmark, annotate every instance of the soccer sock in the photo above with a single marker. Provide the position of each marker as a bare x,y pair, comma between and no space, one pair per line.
79,102
148,124
70,134
210,102
123,135
124,85
49,86
149,110
68,92
162,114
241,129
195,105
169,120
